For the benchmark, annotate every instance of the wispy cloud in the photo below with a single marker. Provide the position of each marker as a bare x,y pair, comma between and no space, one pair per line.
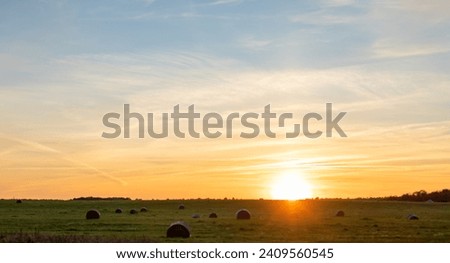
324,18
254,44
337,2
408,29
390,49
43,148
224,2
147,2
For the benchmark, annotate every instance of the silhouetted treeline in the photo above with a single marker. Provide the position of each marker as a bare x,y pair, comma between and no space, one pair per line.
92,198
422,196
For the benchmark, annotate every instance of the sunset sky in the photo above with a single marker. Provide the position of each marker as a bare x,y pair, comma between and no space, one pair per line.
64,64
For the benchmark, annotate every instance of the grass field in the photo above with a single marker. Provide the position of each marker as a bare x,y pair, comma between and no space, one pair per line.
272,221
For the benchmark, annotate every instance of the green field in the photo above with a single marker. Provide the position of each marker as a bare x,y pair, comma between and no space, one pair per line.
272,221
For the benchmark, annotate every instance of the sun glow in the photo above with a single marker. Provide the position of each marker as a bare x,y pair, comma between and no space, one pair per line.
291,186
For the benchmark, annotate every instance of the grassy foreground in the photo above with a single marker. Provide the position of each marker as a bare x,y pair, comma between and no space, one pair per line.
272,221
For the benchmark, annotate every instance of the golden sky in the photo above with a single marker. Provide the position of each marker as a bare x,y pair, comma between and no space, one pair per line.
64,65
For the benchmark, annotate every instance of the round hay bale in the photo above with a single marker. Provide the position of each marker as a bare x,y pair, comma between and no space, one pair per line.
181,207
18,201
93,214
195,216
413,217
243,214
179,229
144,209
133,211
212,215
340,213
119,211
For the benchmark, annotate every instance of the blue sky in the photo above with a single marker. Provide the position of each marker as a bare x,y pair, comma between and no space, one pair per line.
63,64
300,34
297,33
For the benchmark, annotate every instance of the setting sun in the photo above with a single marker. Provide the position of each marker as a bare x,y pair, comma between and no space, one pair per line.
291,186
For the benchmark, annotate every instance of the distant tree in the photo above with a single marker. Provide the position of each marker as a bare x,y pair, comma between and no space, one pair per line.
421,196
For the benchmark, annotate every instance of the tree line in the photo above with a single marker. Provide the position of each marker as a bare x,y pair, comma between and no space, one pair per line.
422,196
94,198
